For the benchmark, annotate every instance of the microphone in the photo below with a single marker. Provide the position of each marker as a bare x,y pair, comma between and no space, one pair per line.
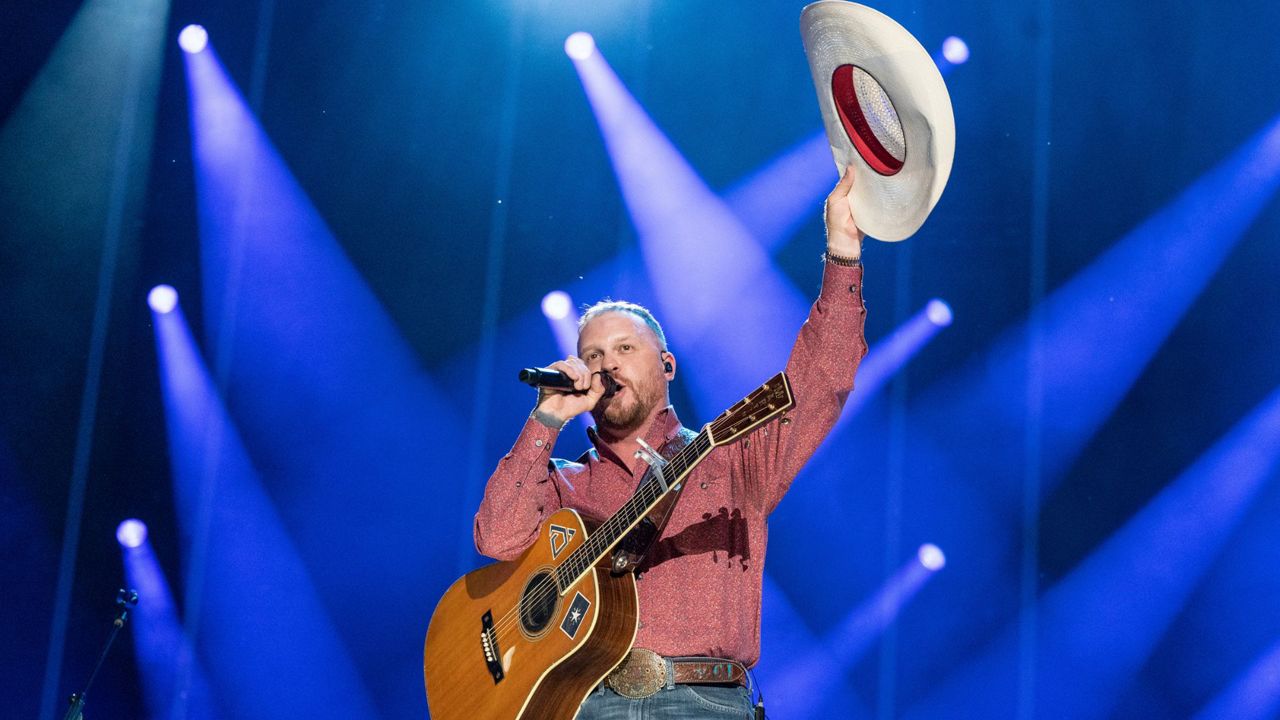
544,377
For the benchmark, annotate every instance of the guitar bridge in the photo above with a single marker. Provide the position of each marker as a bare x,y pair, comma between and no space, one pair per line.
489,645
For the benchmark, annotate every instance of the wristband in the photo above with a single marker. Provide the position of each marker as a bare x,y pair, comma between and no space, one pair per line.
841,261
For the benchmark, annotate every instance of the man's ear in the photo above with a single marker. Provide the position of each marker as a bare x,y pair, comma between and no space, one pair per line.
669,365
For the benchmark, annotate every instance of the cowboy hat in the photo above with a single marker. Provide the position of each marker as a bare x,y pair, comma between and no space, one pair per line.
886,111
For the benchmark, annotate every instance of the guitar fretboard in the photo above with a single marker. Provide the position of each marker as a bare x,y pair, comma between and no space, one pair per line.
647,495
764,403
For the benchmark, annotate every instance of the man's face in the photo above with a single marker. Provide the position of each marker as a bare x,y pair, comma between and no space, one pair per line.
622,344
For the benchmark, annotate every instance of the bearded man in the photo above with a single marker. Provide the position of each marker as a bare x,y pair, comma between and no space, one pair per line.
700,582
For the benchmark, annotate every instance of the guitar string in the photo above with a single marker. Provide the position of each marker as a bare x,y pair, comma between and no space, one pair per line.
508,620
575,562
611,526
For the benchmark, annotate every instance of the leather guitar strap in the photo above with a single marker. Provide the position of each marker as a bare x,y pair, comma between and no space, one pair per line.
633,548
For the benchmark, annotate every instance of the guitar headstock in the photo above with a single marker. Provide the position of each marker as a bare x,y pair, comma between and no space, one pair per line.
763,404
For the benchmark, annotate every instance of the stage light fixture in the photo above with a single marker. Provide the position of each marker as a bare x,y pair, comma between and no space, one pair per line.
580,45
931,557
955,50
556,305
131,533
162,299
193,38
939,312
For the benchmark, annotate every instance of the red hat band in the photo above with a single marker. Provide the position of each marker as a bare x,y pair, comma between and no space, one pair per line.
855,123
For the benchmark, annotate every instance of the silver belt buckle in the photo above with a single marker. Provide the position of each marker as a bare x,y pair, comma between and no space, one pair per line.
641,674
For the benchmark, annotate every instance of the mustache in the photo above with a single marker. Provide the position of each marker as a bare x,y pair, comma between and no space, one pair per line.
611,386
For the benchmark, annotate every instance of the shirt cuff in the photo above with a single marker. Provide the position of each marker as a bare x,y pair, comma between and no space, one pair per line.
841,284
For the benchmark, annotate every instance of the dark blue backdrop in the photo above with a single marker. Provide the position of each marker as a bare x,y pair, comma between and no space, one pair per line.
455,165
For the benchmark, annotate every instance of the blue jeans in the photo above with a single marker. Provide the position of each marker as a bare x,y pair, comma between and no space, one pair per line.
673,702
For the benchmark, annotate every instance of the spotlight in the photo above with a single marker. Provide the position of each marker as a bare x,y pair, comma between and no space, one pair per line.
931,557
193,38
580,45
955,50
131,533
938,312
162,298
556,305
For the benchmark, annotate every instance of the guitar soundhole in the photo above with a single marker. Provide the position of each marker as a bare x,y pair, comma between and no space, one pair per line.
538,603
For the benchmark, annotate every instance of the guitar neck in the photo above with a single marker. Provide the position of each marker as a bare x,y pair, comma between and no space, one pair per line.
651,491
765,403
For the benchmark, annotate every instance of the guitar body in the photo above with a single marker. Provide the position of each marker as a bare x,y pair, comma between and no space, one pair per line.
529,639
503,643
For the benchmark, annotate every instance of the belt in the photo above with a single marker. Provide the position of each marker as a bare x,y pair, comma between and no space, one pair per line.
644,672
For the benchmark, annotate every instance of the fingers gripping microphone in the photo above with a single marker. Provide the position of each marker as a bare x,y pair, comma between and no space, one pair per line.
545,378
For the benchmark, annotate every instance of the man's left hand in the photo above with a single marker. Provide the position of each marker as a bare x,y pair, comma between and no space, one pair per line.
844,239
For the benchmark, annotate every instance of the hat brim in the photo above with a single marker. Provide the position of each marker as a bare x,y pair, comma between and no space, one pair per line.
886,206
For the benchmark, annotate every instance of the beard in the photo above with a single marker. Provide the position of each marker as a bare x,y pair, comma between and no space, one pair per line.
621,415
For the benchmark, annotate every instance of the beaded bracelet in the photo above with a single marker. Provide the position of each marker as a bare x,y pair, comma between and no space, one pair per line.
841,261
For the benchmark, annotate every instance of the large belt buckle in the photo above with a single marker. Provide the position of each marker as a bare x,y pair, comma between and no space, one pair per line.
641,674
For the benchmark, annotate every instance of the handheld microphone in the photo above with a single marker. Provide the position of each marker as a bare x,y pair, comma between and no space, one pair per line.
545,377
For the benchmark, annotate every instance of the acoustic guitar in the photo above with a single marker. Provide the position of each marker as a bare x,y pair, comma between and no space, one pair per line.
531,637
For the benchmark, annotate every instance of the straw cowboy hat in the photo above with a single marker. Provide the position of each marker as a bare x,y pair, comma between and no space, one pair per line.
887,114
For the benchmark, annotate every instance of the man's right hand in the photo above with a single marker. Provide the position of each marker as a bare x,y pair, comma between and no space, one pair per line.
564,405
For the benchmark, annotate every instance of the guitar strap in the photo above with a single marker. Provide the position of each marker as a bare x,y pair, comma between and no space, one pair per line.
633,548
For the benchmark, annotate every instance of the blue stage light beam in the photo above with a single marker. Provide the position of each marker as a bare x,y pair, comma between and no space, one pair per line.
173,680
251,609
621,277
1255,695
74,158
1100,330
811,679
331,399
1097,333
779,197
1230,621
785,639
953,52
892,354
1104,326
687,236
580,45
557,307
817,504
1098,626
193,39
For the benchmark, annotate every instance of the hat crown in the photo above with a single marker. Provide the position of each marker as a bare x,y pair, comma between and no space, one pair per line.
882,119
886,111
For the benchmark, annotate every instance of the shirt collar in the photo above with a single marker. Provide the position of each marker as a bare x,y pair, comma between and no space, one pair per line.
664,427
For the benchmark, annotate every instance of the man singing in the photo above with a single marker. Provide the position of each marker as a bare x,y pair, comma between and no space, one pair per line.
700,583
